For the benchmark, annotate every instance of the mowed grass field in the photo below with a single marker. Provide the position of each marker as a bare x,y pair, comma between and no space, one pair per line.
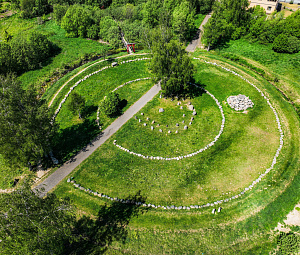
245,149
245,225
75,133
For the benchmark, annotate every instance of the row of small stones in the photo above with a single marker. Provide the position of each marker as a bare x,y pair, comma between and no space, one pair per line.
188,155
273,161
223,122
124,201
277,120
86,77
98,111
177,124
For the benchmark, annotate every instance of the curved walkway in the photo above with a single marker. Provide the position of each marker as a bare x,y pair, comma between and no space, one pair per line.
59,90
196,42
51,181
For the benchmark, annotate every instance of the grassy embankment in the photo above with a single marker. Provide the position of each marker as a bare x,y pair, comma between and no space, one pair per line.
73,51
245,149
74,133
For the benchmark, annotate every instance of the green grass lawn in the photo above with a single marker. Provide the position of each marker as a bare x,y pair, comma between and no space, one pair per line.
199,19
244,150
74,133
72,50
281,65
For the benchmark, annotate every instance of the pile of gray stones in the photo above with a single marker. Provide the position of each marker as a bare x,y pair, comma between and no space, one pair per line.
239,102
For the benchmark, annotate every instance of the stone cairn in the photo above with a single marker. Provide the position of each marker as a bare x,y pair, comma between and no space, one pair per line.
239,102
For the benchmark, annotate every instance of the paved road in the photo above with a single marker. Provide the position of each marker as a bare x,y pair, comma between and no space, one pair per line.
196,42
51,181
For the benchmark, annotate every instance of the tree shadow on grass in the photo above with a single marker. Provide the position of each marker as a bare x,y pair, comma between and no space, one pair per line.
196,91
71,140
94,236
202,172
89,110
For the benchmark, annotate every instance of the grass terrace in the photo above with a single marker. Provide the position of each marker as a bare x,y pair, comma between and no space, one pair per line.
244,150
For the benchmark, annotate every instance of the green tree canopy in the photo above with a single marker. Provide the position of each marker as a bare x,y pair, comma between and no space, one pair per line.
183,20
111,104
76,21
25,52
25,124
229,20
170,64
33,225
286,44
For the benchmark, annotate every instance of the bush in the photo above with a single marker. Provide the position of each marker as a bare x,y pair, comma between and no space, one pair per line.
93,31
111,104
289,243
76,21
23,53
286,44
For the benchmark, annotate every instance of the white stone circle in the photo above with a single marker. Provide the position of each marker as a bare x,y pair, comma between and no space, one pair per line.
88,76
188,155
172,207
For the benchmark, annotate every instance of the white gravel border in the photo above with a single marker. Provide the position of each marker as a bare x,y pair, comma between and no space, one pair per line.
188,155
172,207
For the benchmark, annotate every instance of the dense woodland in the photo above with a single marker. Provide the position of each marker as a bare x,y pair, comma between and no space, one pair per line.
233,19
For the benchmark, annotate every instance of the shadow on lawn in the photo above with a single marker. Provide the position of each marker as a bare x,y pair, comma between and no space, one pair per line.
71,140
94,236
198,176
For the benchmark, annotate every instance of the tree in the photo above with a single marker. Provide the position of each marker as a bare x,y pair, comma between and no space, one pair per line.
151,12
183,20
33,8
111,104
33,225
25,52
76,104
59,11
30,224
229,20
286,44
5,58
25,124
170,64
76,21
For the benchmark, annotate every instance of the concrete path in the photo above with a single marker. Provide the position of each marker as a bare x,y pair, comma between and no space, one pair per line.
196,42
51,181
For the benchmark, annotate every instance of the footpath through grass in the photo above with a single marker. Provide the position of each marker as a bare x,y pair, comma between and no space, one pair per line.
244,150
75,133
243,226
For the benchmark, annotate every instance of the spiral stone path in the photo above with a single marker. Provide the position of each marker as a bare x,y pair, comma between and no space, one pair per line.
56,177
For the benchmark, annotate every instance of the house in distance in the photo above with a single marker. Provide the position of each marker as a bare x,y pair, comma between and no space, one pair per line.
269,5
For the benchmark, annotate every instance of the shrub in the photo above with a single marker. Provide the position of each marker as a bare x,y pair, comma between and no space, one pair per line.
111,104
76,21
286,44
289,243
